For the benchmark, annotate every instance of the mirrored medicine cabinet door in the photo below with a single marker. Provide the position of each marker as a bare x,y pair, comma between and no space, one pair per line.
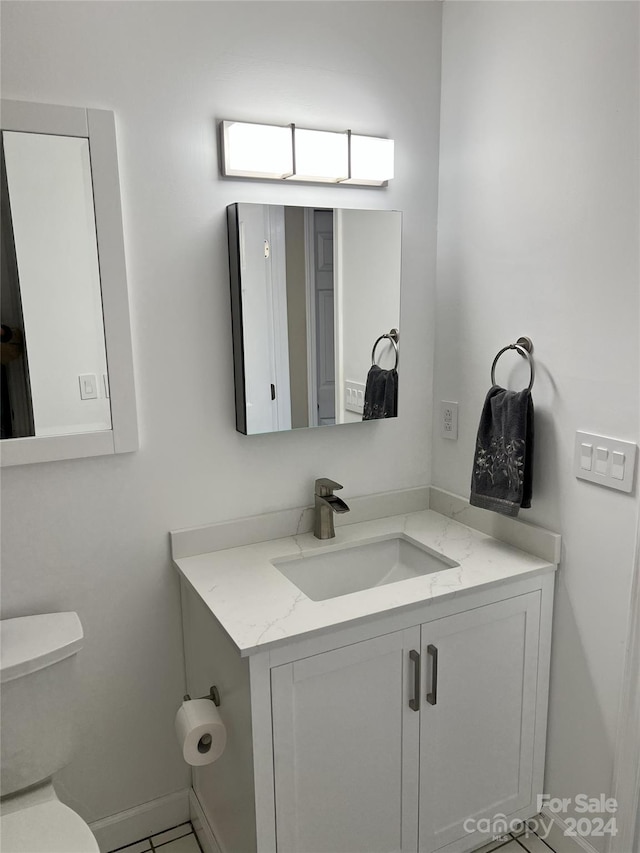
316,315
66,374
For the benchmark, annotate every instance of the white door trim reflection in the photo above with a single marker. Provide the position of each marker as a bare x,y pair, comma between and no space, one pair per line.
277,273
320,265
338,313
312,361
264,296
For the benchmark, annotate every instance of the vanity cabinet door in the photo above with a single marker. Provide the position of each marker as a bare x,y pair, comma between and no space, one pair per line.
478,717
346,749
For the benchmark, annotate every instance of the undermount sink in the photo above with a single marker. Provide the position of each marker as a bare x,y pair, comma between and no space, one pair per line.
354,568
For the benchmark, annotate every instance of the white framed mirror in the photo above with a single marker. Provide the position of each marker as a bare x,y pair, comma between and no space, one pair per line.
67,372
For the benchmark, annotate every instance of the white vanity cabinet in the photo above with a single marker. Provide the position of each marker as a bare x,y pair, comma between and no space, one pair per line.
346,748
352,742
477,741
379,750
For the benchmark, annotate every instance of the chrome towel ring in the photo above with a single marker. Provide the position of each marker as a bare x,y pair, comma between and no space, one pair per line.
392,336
525,347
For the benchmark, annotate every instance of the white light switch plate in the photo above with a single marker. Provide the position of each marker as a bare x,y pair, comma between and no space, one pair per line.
354,396
606,461
88,386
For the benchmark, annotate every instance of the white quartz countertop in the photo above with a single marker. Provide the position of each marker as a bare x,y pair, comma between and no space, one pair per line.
258,607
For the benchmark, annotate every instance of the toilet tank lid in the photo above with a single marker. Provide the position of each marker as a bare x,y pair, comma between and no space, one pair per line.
30,643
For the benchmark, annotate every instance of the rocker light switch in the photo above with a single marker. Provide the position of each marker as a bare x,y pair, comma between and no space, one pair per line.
602,454
606,461
88,386
617,465
586,456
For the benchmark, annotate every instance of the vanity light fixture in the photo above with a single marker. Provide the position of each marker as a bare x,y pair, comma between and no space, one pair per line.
276,152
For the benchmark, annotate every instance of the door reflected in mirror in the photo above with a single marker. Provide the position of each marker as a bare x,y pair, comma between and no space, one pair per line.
54,365
316,311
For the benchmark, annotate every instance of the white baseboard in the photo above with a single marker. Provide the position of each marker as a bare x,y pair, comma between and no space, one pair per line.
201,826
141,821
561,843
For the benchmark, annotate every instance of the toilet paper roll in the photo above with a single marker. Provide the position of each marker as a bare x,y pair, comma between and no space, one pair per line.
201,733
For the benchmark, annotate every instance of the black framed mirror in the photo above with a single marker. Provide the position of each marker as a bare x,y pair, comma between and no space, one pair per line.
315,295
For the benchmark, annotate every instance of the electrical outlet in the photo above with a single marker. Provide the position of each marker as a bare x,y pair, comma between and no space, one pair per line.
448,419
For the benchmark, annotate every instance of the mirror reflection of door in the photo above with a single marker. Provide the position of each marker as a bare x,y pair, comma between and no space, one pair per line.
320,302
264,304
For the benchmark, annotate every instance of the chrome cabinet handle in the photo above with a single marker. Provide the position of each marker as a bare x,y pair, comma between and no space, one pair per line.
414,702
432,696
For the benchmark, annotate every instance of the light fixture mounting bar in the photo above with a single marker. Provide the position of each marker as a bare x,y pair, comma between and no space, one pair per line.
349,152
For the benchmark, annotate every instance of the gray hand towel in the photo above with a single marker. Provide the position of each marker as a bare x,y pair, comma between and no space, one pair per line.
381,394
503,462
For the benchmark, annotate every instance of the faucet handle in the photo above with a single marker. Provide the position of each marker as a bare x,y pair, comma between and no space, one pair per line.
325,487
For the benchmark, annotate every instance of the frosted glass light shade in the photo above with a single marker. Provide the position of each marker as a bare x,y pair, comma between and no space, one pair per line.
321,156
371,160
257,150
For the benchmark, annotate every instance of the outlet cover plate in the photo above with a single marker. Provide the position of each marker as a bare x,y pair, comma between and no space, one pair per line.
448,419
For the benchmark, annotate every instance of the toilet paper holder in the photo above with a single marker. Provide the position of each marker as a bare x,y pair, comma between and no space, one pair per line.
214,695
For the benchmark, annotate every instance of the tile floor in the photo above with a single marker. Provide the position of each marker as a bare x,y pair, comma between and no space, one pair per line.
524,842
178,839
182,839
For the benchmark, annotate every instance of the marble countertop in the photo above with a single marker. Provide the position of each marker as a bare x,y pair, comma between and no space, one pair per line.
258,607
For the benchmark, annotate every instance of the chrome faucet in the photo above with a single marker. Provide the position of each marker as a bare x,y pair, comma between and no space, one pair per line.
326,504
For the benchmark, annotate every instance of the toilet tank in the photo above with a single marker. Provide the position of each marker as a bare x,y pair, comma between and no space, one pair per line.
37,696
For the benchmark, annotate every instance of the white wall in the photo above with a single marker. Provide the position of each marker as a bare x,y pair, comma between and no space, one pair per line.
91,534
538,236
368,292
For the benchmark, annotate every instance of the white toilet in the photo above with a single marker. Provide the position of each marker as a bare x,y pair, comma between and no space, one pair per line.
37,674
